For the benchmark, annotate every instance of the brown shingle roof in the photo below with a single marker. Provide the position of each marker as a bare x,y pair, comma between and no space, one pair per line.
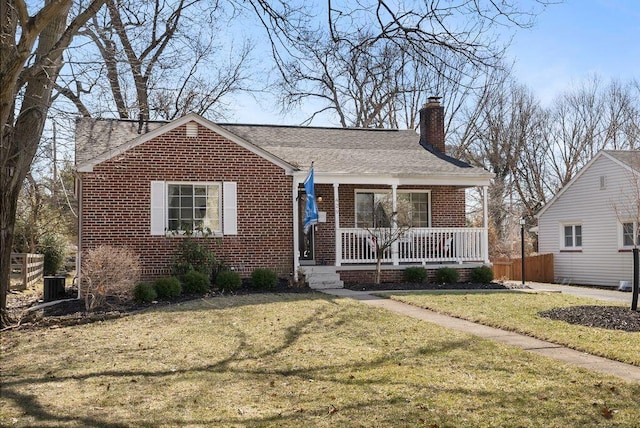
334,150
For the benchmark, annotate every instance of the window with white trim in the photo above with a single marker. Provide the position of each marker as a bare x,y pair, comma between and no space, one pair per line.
193,207
181,207
572,236
375,208
629,234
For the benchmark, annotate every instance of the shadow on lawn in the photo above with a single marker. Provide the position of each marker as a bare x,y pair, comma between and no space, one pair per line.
235,362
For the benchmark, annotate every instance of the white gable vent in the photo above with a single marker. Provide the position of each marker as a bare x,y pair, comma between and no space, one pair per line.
603,182
192,129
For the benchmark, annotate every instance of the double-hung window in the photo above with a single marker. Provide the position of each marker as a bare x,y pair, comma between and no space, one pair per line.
375,209
194,207
415,208
630,234
572,235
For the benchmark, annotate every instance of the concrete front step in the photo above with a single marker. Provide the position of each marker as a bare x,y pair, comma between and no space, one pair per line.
322,277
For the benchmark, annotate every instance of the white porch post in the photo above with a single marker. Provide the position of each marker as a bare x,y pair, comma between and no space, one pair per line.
395,255
296,232
336,223
485,215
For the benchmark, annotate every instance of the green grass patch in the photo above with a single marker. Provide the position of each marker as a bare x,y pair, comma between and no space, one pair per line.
515,311
291,361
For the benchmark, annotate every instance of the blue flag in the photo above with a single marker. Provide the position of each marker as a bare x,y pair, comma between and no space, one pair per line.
311,208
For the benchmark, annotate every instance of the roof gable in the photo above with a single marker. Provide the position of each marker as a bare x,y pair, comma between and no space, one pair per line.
120,141
626,159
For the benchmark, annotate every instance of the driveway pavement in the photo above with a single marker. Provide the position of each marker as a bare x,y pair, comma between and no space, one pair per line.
610,295
627,372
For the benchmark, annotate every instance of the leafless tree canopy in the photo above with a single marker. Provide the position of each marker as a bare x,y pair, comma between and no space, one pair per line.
158,60
535,150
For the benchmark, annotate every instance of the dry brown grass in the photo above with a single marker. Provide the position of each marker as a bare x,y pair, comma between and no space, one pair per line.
518,312
292,360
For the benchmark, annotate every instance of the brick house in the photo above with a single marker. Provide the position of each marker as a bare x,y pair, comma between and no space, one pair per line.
141,184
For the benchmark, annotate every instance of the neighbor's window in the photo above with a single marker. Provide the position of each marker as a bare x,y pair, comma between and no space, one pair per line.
193,207
572,236
629,231
375,209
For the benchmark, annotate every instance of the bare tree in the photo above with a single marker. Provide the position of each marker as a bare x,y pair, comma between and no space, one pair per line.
160,60
502,126
627,209
390,228
31,48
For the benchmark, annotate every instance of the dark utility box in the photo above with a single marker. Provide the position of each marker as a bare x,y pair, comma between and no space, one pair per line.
54,288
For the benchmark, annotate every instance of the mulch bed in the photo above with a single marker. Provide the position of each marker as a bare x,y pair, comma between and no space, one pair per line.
609,317
72,311
429,286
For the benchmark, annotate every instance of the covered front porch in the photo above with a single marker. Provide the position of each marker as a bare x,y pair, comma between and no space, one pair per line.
344,240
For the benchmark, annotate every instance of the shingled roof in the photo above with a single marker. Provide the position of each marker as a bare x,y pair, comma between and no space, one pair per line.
631,158
353,151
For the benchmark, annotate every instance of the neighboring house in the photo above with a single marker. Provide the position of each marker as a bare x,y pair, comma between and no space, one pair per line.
591,224
142,184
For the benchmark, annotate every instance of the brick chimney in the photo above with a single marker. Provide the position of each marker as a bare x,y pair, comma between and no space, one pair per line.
432,125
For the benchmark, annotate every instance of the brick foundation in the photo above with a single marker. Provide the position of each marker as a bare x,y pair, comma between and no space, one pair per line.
392,275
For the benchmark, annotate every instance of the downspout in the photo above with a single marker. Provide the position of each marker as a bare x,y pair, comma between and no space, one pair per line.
485,216
296,232
336,214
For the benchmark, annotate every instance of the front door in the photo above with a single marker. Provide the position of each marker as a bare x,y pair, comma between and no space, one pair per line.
305,242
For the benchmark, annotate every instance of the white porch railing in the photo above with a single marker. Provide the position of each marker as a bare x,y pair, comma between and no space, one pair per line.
417,245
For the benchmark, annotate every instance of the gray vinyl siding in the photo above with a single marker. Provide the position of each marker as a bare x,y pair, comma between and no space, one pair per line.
600,262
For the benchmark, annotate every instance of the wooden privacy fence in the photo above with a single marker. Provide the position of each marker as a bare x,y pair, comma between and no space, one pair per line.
537,268
27,268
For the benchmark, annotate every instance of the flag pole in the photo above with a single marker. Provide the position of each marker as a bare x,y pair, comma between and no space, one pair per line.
311,207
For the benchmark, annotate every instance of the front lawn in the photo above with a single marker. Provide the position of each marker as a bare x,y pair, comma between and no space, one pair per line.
292,360
518,312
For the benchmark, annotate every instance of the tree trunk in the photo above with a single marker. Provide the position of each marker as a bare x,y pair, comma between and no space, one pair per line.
8,205
20,142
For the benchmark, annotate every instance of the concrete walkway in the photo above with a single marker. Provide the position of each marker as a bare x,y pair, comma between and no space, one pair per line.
625,371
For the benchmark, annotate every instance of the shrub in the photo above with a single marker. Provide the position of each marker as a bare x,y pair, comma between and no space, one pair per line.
144,292
228,280
54,248
109,271
191,255
482,274
447,275
415,274
218,267
194,282
168,288
263,278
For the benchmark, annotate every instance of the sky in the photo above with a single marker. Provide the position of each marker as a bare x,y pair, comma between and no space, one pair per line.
575,39
569,42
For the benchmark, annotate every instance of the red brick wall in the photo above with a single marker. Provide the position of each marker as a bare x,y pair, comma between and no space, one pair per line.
448,207
392,275
116,201
325,232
